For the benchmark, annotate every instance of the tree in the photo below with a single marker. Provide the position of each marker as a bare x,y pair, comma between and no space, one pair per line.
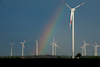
78,55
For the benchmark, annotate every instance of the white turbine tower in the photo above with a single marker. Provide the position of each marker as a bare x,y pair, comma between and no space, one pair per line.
85,44
72,21
11,47
23,47
36,48
95,49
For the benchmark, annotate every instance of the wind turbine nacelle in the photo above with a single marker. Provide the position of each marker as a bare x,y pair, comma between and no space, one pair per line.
73,9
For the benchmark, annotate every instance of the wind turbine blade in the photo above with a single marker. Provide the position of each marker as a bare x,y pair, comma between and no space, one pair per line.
97,44
71,19
24,41
84,42
66,5
21,42
87,44
80,5
57,46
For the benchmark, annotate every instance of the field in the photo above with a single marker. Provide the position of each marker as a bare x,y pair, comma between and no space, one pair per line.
42,59
50,59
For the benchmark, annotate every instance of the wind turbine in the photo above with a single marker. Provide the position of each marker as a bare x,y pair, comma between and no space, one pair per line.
23,47
36,48
54,46
95,49
72,22
85,44
11,47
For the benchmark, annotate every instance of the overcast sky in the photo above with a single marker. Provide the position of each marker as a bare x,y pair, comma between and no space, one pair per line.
26,20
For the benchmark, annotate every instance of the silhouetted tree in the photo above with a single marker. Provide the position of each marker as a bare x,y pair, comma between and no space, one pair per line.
78,55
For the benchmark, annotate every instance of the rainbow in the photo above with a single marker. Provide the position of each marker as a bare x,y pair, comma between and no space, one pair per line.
50,29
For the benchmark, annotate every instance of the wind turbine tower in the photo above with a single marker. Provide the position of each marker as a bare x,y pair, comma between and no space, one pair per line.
36,48
11,47
72,22
23,47
95,49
